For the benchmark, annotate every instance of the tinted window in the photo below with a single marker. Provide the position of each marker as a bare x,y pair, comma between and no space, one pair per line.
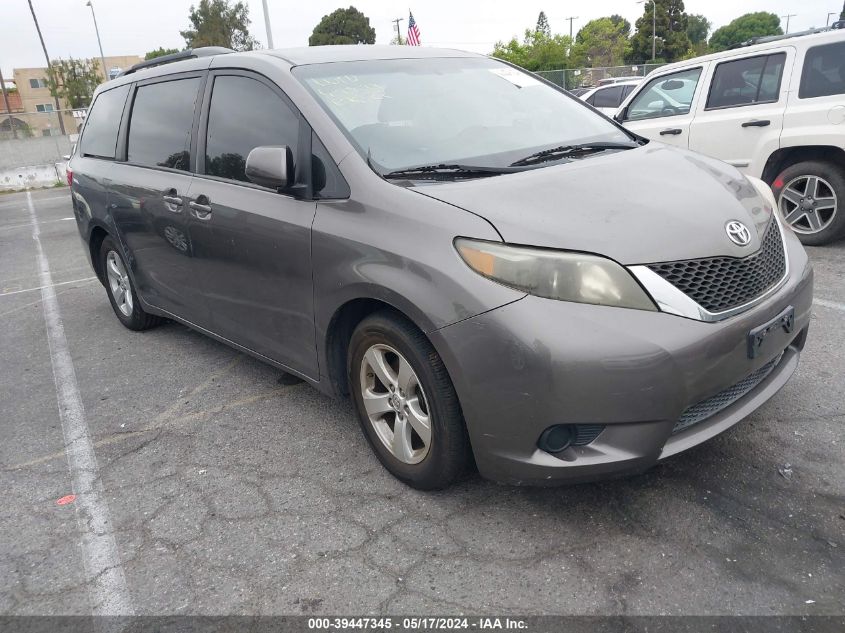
824,71
747,81
100,135
160,127
608,97
245,114
664,96
327,179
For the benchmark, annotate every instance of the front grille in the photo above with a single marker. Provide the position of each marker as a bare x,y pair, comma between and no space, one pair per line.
721,283
706,408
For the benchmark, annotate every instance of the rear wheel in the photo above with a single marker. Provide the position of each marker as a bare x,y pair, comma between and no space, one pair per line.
406,404
810,196
122,295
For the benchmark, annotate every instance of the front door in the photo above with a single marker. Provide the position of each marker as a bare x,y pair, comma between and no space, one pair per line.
148,197
252,245
741,117
663,108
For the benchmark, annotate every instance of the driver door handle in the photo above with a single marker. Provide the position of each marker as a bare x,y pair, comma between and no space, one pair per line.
763,123
671,132
172,200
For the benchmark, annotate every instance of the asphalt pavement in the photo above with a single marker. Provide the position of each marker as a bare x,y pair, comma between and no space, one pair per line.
220,488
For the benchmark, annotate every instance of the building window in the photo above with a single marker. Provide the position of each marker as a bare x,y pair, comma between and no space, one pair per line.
44,107
37,83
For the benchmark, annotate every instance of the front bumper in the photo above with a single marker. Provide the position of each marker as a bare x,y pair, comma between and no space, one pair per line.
533,363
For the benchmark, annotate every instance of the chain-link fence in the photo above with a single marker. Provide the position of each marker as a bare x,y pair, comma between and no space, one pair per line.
577,77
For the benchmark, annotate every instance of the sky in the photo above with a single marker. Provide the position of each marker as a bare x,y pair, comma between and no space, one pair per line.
135,27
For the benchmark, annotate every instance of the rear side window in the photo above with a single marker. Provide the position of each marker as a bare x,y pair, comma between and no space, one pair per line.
608,97
747,81
100,135
824,72
160,127
245,114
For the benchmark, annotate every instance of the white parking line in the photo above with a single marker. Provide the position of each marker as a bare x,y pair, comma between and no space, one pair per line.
103,568
835,305
20,202
61,283
27,225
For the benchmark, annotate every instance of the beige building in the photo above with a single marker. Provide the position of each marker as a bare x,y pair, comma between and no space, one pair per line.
39,116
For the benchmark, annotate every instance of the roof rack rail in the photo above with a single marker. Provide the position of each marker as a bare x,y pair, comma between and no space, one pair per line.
191,53
776,38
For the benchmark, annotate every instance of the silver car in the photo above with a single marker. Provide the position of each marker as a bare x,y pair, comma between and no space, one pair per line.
492,273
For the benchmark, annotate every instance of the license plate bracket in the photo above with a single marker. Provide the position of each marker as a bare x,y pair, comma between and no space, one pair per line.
785,320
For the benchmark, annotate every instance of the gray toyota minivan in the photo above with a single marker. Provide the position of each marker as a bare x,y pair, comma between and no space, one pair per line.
490,270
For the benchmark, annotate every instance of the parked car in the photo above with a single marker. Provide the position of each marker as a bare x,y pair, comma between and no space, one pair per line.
489,270
774,110
608,98
577,92
607,81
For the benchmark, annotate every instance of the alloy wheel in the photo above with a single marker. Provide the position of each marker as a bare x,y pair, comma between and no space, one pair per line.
119,284
808,204
395,403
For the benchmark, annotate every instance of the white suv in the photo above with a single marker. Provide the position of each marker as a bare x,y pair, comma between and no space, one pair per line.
775,110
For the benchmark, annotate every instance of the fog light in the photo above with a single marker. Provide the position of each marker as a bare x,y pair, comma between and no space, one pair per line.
556,439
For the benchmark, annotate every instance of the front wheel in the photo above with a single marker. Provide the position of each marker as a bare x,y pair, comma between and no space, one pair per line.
406,403
810,197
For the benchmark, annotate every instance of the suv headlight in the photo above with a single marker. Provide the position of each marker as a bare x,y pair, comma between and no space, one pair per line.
561,275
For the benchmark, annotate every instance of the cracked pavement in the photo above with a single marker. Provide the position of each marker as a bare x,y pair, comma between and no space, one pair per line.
232,491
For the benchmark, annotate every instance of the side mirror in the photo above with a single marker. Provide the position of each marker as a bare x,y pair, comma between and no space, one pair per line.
270,166
672,84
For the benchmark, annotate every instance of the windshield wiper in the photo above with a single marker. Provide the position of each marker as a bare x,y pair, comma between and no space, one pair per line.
567,151
445,172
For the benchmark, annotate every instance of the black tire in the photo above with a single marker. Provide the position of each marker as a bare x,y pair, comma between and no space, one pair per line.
835,177
448,453
137,319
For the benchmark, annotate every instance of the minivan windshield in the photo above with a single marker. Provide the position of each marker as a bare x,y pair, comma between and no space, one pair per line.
406,113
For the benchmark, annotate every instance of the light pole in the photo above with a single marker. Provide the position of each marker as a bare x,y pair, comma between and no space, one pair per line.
99,43
267,25
791,15
653,27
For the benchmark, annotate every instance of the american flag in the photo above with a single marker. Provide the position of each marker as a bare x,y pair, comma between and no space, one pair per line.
413,31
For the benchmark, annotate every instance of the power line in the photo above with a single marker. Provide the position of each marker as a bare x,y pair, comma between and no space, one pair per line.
791,15
398,32
571,20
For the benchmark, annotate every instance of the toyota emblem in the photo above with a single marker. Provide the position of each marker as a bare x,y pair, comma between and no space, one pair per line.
738,232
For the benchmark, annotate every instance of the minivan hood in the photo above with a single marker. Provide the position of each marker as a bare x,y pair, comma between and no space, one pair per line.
651,204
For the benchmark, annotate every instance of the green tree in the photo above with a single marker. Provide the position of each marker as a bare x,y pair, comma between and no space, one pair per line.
672,40
744,28
219,23
622,23
536,51
160,52
543,25
698,28
73,81
343,26
601,42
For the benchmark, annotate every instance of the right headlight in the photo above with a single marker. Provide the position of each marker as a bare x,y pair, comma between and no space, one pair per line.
560,275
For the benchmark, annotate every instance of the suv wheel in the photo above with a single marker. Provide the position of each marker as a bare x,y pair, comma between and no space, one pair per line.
406,404
122,295
810,197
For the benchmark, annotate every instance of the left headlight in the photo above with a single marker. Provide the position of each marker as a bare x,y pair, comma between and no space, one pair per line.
560,275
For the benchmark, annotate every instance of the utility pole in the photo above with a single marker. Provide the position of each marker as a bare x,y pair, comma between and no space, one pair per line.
571,20
99,43
267,25
398,32
8,109
49,67
791,15
653,27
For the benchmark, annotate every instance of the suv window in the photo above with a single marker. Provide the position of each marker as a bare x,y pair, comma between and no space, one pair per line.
824,71
664,96
747,81
245,114
607,97
160,127
99,138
